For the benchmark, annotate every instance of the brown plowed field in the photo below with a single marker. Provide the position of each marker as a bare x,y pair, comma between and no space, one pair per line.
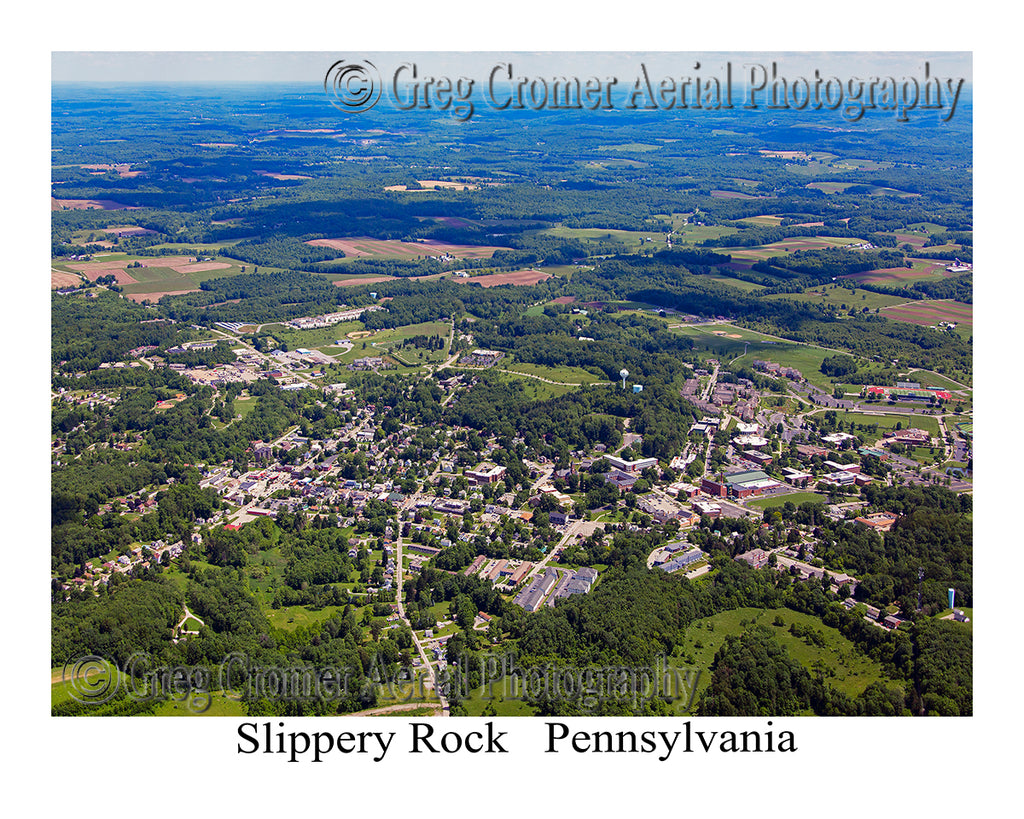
396,249
518,277
87,204
927,313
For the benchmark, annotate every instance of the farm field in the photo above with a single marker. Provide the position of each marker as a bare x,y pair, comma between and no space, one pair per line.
839,296
517,277
367,247
927,313
60,279
901,276
626,238
780,248
155,276
87,204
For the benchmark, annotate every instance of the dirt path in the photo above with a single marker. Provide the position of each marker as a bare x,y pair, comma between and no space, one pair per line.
393,709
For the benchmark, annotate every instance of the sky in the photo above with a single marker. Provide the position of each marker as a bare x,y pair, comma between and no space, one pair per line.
302,66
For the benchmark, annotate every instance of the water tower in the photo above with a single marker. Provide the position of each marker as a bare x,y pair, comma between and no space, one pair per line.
952,594
624,374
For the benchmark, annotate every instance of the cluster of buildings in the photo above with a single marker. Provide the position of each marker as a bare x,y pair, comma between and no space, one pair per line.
480,358
140,557
554,585
908,391
326,320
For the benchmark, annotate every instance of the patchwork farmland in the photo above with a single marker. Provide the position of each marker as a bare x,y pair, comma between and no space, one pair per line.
927,313
366,246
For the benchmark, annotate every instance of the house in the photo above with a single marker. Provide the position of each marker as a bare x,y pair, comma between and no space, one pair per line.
758,558
878,521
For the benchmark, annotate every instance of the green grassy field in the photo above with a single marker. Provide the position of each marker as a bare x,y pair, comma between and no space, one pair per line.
318,338
385,343
837,297
885,422
844,666
538,390
219,706
787,353
781,500
566,375
289,618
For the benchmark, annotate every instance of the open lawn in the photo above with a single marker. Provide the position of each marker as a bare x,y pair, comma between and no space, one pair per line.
883,422
780,500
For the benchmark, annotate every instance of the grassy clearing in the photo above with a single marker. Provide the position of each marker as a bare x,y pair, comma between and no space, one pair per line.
886,422
290,618
787,353
496,695
566,375
538,390
841,298
316,338
842,663
219,706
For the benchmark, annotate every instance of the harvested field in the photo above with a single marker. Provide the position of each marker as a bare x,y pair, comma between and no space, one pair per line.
155,297
283,177
59,279
93,270
564,300
128,230
123,170
201,266
434,184
922,269
829,187
518,277
927,313
717,194
780,248
397,249
363,280
88,204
